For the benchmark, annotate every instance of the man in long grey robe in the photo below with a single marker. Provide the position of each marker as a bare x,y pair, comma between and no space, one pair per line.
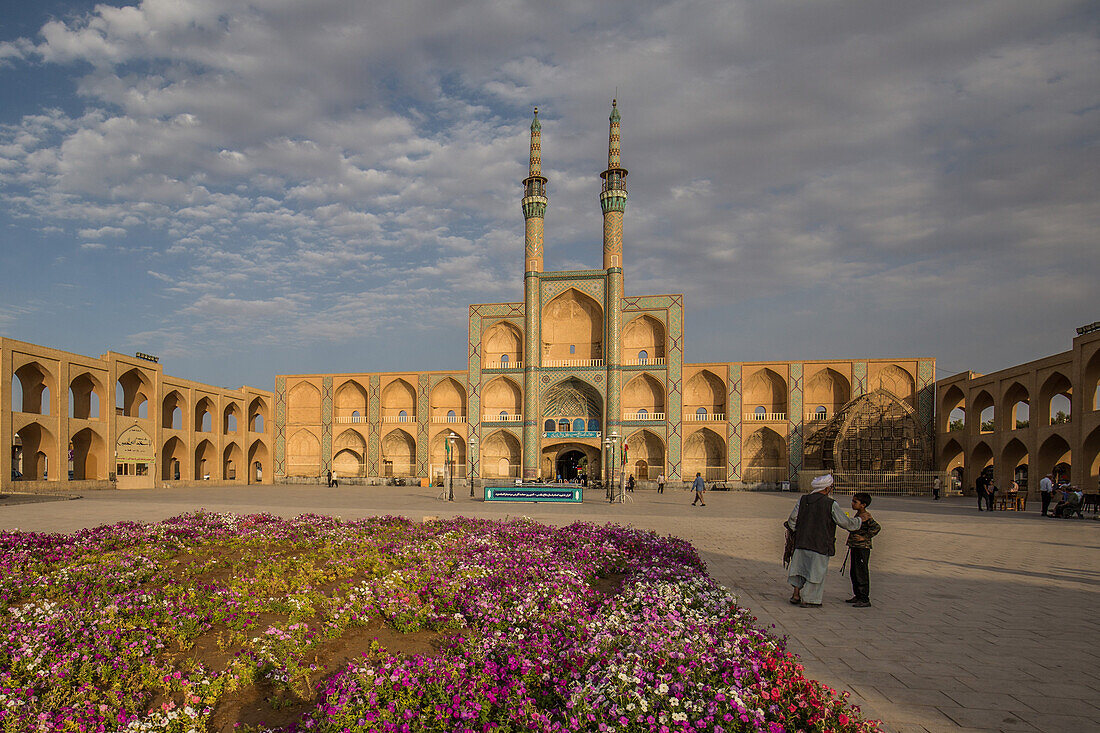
814,521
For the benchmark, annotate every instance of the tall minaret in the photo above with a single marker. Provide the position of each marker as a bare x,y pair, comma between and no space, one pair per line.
534,209
613,197
613,203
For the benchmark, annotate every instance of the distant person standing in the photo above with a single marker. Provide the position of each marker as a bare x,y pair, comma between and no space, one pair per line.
328,479
661,484
700,487
937,487
859,544
630,484
813,521
979,487
1046,491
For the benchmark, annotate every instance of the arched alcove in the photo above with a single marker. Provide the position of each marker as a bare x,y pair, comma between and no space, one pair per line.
399,397
258,460
827,388
952,414
765,388
502,342
500,456
231,419
437,452
206,461
172,409
896,381
204,421
350,398
572,328
36,385
986,412
398,454
645,394
349,454
501,395
1055,397
1054,452
644,335
704,390
303,454
257,412
704,452
764,457
446,398
646,455
173,459
303,404
232,462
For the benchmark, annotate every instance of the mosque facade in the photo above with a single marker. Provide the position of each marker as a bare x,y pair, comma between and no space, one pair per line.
582,377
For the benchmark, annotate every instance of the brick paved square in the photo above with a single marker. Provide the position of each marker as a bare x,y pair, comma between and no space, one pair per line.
980,621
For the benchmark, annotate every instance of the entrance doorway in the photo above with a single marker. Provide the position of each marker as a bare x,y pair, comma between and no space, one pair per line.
569,464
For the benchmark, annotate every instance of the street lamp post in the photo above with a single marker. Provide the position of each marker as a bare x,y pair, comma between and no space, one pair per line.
614,437
470,471
451,467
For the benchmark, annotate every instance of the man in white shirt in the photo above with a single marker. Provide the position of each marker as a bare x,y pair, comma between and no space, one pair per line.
1046,491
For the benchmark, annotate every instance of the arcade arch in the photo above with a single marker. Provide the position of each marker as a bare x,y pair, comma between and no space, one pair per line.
981,458
1016,407
1014,464
89,456
571,400
952,414
1055,398
204,422
986,412
232,462
85,397
206,460
1055,452
257,411
37,447
572,328
173,460
231,419
171,410
1092,457
257,462
37,385
501,396
133,391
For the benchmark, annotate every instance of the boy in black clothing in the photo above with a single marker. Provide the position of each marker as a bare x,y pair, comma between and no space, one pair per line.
859,544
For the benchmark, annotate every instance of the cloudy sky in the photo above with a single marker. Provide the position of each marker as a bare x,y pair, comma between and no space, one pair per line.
252,187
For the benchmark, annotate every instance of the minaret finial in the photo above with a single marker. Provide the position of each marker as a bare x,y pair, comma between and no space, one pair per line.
613,196
613,138
536,146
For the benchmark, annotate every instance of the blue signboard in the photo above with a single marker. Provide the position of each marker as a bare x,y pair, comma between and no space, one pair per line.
575,434
569,494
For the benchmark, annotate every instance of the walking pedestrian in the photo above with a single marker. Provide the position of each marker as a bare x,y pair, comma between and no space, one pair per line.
630,484
661,484
859,545
328,479
700,487
1046,491
813,521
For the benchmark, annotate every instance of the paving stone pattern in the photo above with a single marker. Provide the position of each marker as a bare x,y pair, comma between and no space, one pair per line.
980,622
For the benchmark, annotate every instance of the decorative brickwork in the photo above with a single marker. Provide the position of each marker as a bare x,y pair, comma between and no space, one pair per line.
326,424
279,464
423,418
374,419
794,414
733,414
859,379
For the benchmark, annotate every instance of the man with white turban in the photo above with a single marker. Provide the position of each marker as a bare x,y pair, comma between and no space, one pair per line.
814,521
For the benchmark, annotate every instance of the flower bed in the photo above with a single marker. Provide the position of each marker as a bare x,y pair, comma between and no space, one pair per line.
212,622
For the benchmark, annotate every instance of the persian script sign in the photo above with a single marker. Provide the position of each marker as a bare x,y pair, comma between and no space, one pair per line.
528,493
577,434
134,445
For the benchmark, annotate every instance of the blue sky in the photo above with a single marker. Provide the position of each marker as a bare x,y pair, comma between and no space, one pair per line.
271,186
